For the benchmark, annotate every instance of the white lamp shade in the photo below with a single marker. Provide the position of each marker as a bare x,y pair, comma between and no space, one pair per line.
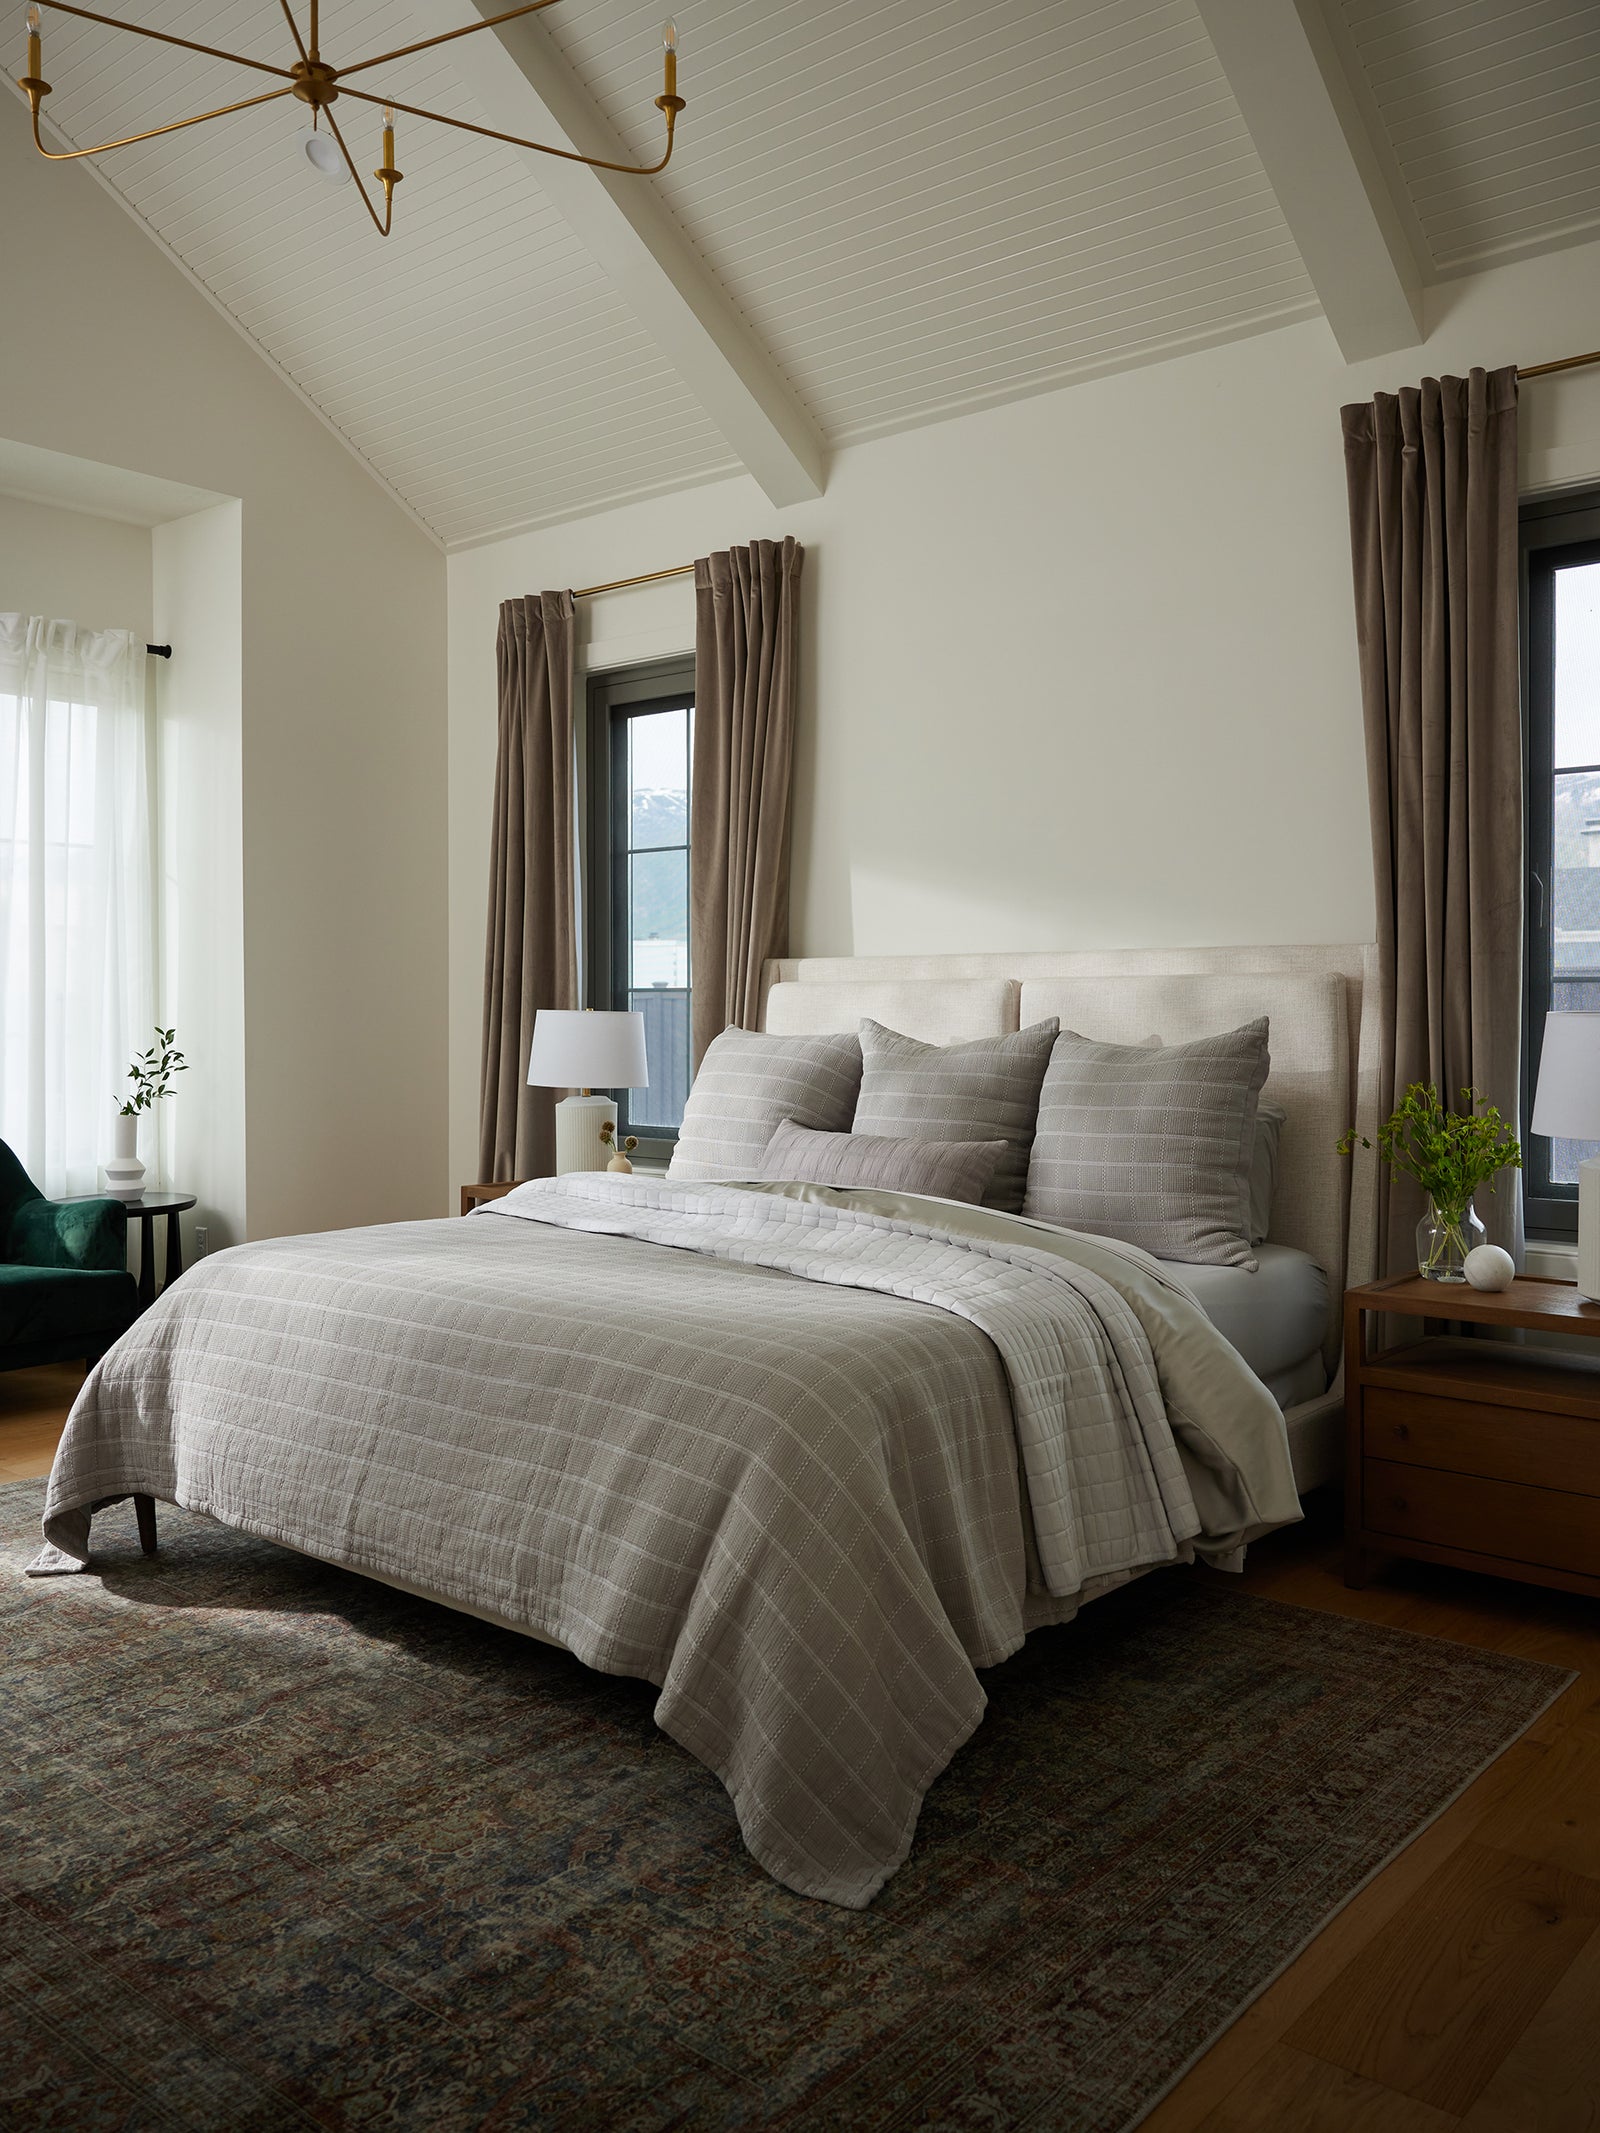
1567,1103
598,1050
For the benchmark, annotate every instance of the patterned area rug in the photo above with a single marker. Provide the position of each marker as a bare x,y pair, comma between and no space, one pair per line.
284,1848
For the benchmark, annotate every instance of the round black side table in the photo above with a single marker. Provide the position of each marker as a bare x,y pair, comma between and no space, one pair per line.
144,1211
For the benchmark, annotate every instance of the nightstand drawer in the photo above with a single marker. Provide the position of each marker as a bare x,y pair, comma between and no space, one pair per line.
1466,1437
1499,1518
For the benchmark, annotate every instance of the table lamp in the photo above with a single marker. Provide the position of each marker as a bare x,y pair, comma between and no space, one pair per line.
1566,1107
586,1049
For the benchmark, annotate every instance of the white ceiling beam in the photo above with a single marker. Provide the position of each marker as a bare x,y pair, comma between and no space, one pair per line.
1286,74
525,86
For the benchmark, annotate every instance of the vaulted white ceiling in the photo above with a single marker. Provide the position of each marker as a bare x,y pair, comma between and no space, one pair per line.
1489,114
922,204
906,207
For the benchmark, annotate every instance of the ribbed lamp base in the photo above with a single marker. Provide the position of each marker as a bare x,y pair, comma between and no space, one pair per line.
578,1142
1589,1228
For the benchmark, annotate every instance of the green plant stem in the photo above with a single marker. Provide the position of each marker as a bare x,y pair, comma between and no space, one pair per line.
1449,1232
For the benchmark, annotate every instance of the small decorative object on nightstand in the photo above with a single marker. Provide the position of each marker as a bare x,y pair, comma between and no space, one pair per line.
1450,1154
575,1049
1489,1267
1474,1452
124,1174
1567,1107
619,1156
151,1074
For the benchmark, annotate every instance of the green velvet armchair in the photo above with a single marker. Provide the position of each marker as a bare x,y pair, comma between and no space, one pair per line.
65,1289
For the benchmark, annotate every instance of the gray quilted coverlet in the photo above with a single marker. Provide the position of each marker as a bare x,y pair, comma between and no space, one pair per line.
806,1508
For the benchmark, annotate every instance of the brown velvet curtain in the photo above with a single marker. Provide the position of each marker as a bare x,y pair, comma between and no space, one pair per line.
532,957
1432,477
747,607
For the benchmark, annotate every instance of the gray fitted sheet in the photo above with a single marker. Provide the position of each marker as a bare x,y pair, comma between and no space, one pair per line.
1276,1317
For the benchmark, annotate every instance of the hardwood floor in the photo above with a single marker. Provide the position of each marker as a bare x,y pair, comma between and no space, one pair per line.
33,1408
1460,1991
1461,1988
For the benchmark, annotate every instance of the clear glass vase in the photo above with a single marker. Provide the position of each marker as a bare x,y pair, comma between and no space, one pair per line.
1445,1235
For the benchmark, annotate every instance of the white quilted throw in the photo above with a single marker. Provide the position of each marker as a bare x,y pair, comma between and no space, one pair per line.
803,1459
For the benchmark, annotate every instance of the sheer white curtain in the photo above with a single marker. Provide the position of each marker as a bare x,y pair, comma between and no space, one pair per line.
77,992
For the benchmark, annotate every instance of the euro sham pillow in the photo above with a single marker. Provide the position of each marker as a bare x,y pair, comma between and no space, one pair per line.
948,1170
1152,1147
984,1090
748,1084
1271,1119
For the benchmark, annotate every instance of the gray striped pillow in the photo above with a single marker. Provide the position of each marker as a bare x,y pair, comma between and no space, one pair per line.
986,1090
1153,1147
948,1170
748,1084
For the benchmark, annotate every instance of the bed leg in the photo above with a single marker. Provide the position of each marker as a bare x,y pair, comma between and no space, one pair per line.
144,1509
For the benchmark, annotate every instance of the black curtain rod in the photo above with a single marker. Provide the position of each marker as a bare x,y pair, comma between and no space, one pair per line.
159,651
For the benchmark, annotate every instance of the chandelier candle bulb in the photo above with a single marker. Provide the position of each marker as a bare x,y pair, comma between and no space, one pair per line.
669,41
386,174
33,82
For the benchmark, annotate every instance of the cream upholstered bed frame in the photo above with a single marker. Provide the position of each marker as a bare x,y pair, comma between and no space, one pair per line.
1321,1003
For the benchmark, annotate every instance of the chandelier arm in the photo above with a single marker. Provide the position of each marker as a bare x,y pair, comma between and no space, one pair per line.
515,140
404,51
294,30
384,226
236,59
72,155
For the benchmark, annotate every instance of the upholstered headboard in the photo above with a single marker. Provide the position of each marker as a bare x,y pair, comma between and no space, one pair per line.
1322,1042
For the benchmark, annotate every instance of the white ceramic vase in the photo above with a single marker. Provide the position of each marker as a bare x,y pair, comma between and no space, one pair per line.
124,1174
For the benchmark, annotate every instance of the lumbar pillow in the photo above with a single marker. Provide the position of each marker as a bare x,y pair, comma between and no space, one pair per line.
1153,1147
948,1170
748,1084
985,1090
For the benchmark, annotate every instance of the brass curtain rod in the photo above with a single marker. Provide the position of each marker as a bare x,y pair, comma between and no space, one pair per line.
1544,370
648,577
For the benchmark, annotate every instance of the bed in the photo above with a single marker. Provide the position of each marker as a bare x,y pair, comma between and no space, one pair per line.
808,1460
1322,1005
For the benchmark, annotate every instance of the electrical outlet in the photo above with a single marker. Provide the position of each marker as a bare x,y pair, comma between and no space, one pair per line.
201,1234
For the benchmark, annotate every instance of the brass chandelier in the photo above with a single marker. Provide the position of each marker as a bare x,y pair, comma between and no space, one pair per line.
315,82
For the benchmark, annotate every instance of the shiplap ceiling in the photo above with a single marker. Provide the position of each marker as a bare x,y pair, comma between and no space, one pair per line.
924,204
1490,113
916,206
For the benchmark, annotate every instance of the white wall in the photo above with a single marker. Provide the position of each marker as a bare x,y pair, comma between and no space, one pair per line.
73,567
1078,671
112,356
199,610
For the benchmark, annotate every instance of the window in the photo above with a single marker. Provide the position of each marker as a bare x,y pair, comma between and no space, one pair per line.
638,756
1561,692
77,890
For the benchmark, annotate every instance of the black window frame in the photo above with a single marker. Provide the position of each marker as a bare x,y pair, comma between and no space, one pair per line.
1553,531
611,700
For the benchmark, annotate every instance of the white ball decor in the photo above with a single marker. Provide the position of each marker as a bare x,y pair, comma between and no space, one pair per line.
1486,1266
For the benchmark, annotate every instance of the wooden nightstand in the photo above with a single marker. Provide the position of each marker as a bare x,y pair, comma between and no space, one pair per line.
1473,1452
474,1195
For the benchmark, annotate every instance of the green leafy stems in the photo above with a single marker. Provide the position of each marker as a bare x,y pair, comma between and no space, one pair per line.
152,1071
1449,1153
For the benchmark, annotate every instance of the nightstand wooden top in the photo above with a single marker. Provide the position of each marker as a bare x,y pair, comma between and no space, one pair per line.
1536,1306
